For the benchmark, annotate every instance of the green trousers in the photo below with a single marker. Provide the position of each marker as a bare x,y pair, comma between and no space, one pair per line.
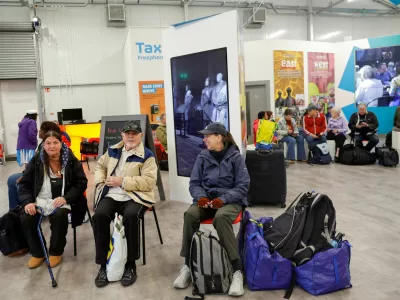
223,219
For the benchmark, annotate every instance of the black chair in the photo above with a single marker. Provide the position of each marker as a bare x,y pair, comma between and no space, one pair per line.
143,232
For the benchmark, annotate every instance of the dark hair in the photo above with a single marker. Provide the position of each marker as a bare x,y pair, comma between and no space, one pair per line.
261,114
47,126
269,114
229,141
288,112
397,66
31,116
56,135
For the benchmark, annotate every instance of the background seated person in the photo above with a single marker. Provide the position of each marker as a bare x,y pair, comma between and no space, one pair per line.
363,125
218,184
262,115
337,128
124,178
314,124
13,180
58,179
289,134
161,132
396,121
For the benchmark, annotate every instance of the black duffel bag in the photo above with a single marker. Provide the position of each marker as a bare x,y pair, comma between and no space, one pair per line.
352,155
12,238
386,156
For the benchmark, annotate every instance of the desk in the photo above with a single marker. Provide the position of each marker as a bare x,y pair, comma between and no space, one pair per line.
77,132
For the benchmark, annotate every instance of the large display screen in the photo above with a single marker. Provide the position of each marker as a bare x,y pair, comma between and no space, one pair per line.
200,96
378,76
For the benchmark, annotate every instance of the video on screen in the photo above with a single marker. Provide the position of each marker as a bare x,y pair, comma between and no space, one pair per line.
377,77
200,97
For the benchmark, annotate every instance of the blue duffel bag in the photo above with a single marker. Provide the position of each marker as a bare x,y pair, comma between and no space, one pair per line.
263,270
327,271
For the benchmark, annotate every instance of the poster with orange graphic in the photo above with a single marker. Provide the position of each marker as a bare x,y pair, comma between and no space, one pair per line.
152,99
289,79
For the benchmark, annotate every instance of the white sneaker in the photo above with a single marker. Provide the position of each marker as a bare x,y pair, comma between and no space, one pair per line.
236,288
183,279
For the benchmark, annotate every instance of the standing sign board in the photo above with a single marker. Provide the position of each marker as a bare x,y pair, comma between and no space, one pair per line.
111,128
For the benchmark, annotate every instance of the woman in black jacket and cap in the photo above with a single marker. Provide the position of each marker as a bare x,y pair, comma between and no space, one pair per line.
55,181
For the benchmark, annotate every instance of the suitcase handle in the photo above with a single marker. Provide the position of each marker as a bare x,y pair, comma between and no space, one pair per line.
264,152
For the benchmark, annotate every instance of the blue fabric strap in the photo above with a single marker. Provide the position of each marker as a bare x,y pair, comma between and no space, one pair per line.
335,265
275,273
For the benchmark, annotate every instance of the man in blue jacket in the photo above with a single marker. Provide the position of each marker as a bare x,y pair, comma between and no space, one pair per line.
219,185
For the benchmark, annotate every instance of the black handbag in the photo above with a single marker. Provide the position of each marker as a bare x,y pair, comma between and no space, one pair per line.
387,156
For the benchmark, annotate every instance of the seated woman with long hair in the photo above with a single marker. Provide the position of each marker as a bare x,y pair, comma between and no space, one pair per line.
53,180
218,184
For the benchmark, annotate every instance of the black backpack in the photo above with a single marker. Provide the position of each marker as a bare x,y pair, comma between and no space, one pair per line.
388,140
305,228
12,238
352,155
387,156
320,154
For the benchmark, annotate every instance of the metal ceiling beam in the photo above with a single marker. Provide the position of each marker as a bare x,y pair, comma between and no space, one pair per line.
329,6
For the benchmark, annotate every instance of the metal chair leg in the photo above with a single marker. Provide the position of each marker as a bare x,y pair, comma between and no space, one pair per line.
158,226
89,215
74,230
143,242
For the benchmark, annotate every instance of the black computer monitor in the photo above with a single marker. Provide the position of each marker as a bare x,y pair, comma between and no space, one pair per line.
60,117
72,114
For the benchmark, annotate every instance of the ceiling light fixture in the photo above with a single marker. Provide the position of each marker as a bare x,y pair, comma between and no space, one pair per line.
276,34
329,35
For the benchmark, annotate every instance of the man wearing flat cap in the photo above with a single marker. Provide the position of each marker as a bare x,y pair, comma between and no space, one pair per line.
124,178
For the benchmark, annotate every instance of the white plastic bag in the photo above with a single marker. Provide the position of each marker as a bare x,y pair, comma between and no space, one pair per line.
117,255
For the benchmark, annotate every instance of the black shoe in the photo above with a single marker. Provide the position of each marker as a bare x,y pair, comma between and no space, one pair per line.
101,278
129,276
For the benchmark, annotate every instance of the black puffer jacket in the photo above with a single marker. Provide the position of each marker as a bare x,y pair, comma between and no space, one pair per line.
75,184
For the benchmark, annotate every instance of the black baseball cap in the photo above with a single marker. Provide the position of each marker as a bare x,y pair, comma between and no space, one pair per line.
131,126
214,128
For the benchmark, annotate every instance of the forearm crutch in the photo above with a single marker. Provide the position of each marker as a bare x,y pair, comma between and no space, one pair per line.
46,255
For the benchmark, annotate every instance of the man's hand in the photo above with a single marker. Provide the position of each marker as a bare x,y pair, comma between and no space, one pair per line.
203,202
217,203
358,126
59,201
363,124
335,131
313,136
18,180
114,181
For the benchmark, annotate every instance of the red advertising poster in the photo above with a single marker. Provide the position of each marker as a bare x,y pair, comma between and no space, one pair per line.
321,78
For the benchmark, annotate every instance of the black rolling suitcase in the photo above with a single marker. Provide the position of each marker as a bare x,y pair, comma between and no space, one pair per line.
267,170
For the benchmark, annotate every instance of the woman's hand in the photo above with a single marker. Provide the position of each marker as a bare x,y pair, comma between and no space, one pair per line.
30,209
59,201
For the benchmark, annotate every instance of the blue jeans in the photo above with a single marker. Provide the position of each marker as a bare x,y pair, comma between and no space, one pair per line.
291,142
372,139
313,142
13,197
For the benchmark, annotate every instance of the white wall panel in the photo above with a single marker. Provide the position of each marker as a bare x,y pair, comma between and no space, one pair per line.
14,14
16,97
95,101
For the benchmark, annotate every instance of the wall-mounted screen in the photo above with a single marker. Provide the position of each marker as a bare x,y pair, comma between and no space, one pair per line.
378,76
200,96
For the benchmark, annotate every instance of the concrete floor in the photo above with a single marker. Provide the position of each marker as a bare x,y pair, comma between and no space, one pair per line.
367,203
